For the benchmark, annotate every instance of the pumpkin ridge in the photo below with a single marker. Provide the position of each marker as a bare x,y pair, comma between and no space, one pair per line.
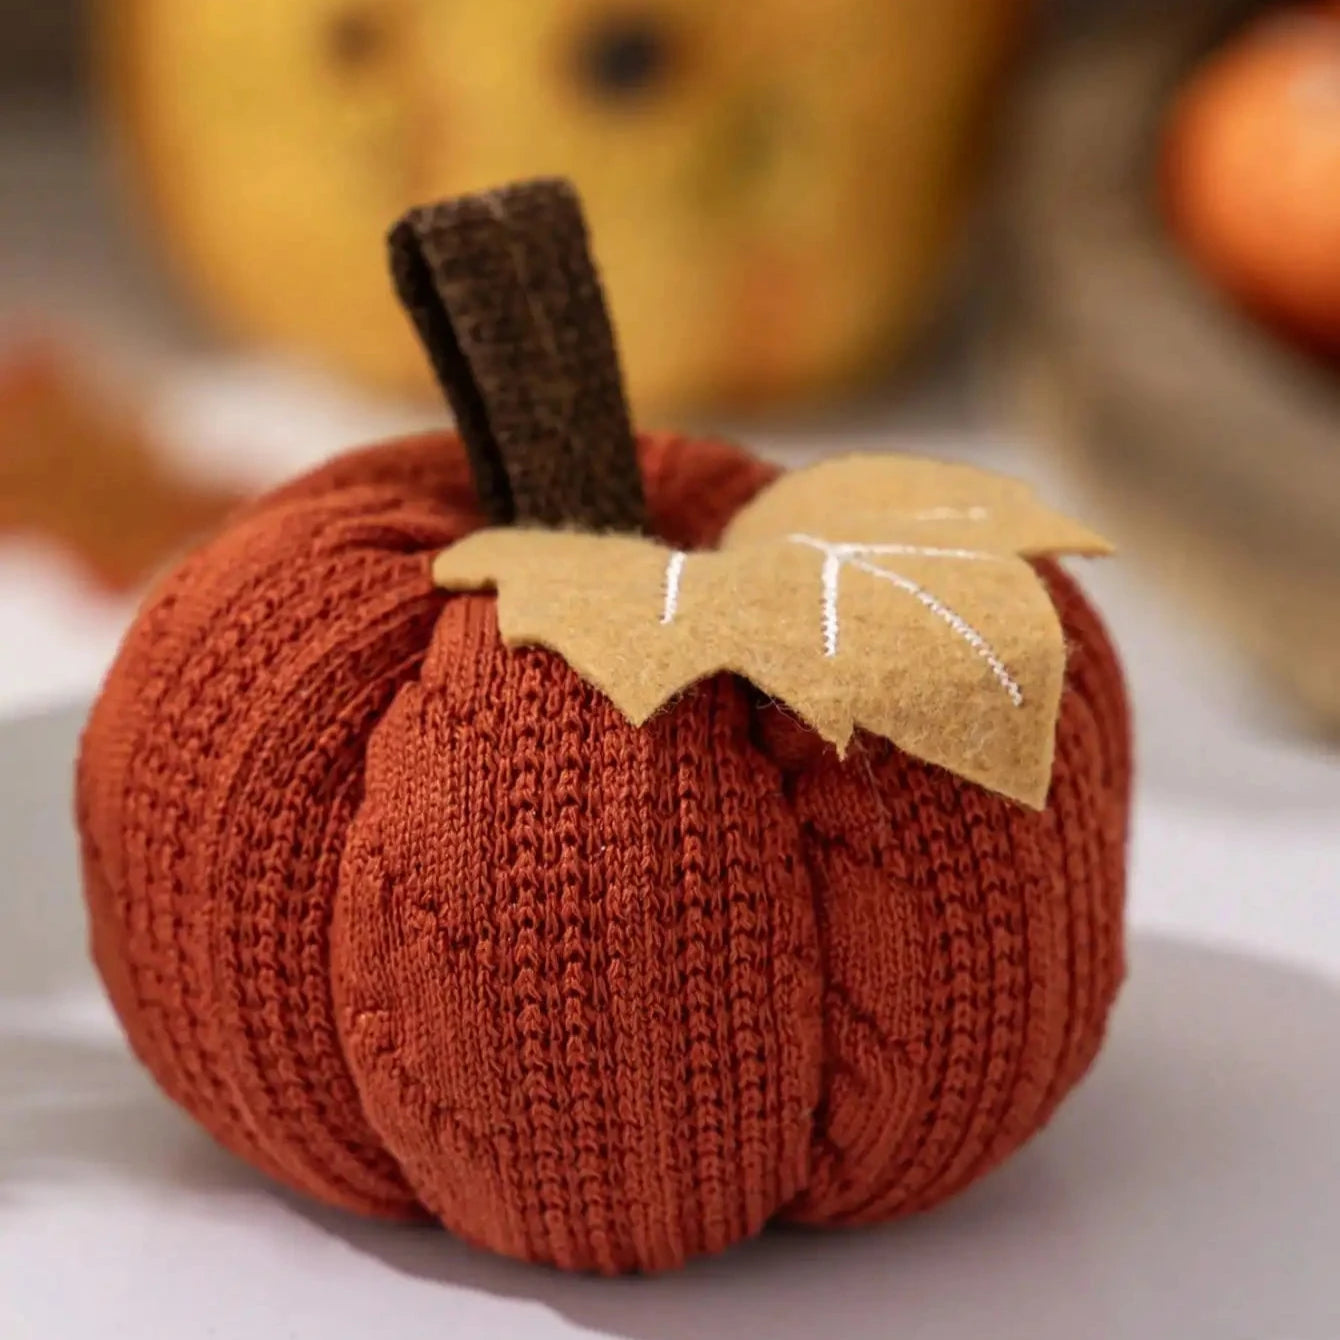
324,793
200,638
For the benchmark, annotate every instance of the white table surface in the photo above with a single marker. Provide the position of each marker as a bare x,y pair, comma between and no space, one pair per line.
1190,1189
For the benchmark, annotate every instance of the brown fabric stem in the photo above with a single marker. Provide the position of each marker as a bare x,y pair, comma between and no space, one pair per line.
505,296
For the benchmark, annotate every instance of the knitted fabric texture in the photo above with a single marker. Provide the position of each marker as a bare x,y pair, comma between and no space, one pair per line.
415,923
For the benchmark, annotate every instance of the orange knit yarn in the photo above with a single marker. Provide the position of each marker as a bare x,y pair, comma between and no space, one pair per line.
412,921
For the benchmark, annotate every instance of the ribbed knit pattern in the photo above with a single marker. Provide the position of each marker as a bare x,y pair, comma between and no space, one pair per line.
413,922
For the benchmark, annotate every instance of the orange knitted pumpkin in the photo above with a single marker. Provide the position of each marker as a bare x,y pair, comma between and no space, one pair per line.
415,921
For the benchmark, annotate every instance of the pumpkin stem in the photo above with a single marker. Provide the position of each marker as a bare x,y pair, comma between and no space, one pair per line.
506,299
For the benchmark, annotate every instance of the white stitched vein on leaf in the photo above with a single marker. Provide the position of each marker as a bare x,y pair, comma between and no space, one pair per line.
674,576
883,550
951,514
957,622
836,556
832,575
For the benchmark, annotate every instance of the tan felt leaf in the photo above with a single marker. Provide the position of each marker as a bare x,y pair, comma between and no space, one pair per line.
879,593
888,499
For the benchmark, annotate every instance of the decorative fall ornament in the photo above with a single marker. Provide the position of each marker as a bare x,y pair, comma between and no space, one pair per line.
1252,171
609,962
776,184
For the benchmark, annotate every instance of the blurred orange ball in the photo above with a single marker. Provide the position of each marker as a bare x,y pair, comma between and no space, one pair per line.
1252,171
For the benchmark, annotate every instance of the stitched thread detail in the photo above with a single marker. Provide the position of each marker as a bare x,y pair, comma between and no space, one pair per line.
955,621
840,555
674,574
952,514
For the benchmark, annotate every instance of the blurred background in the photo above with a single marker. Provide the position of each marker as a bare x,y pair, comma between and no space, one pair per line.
1095,243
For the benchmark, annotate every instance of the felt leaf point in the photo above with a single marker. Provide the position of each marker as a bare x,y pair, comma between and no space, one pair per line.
877,593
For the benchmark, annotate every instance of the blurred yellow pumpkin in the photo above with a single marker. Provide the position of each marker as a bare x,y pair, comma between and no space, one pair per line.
773,183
